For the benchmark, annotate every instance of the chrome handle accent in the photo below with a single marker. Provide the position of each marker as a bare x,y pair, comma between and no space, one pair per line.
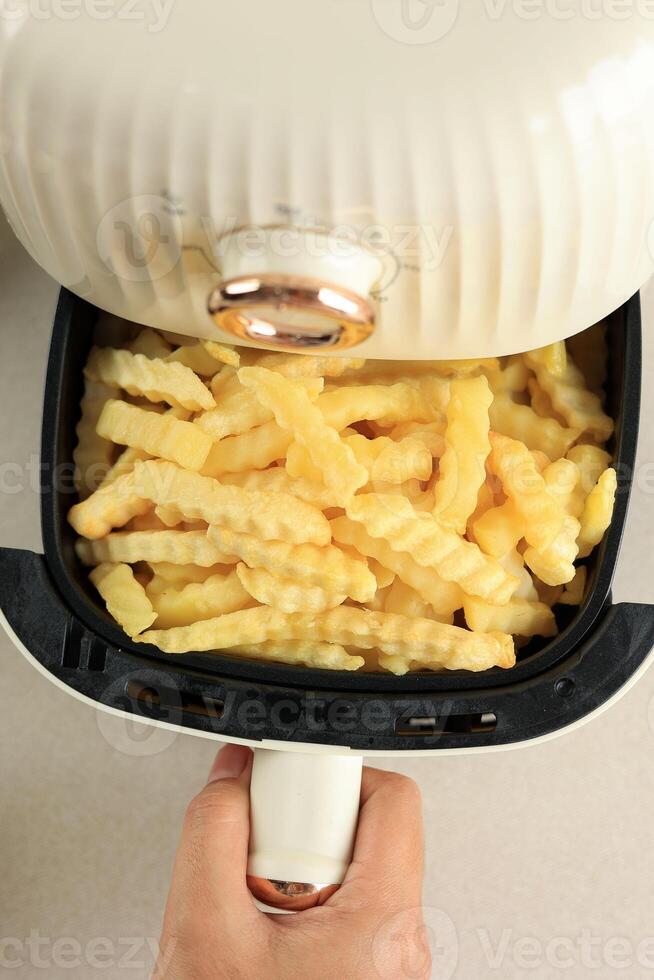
291,313
289,896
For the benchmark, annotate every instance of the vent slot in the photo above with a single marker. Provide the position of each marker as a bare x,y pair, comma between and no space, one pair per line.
170,699
433,727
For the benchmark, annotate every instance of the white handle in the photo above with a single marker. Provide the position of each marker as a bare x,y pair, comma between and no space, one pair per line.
304,811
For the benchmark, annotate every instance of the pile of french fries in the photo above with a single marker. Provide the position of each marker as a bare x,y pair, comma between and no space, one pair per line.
337,513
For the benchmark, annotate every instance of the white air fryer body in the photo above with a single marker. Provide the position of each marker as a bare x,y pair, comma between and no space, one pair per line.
482,178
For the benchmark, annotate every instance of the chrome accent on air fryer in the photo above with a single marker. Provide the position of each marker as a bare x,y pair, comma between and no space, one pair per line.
291,313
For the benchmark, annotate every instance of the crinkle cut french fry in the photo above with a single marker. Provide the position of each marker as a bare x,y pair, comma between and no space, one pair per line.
385,460
520,617
326,567
158,435
124,597
401,599
327,656
253,450
277,480
463,464
223,353
562,478
197,358
521,422
444,597
110,506
573,593
274,516
432,546
450,646
92,455
154,379
514,563
177,547
513,377
286,594
241,411
216,596
499,530
597,512
177,576
554,564
570,397
554,358
430,434
295,412
150,343
512,462
591,462
124,464
309,366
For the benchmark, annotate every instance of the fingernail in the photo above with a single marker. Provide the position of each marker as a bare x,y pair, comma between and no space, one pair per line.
229,763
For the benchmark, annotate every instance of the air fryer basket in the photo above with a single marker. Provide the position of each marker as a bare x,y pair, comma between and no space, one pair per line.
58,618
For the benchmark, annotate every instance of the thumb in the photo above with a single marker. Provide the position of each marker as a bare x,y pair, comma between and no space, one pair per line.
211,862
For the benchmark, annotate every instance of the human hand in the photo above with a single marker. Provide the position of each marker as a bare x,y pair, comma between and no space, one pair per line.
371,928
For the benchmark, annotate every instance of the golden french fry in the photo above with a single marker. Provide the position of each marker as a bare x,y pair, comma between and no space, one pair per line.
158,435
401,599
277,480
554,358
520,617
444,597
327,656
591,462
197,358
385,460
385,577
216,596
514,563
146,522
157,380
222,353
124,464
432,546
177,547
449,646
274,516
177,576
597,512
554,564
295,412
463,464
512,462
92,455
253,450
570,397
430,434
521,422
512,378
309,366
328,567
562,478
285,594
150,343
110,506
573,593
224,383
124,597
241,411
499,530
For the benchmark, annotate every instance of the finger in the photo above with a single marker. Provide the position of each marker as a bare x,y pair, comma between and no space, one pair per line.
388,860
209,877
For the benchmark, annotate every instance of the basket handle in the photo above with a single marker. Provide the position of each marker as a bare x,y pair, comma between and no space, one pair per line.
304,811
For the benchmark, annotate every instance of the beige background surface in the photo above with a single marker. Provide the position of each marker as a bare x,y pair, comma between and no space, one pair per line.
550,845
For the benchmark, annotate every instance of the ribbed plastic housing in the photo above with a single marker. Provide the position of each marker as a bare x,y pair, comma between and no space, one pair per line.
497,161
